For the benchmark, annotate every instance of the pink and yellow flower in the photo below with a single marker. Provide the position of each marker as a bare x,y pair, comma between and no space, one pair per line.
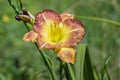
58,32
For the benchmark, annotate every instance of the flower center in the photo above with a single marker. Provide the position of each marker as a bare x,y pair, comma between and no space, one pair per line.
57,32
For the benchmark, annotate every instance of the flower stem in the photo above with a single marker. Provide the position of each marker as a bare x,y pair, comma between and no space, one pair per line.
48,63
12,5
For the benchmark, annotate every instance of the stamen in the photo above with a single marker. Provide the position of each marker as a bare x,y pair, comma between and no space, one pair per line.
73,30
43,45
46,21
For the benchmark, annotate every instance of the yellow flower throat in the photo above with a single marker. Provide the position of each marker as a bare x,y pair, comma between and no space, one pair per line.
56,32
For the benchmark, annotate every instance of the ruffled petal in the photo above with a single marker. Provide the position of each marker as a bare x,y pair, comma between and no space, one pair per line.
66,15
67,55
45,17
76,32
30,36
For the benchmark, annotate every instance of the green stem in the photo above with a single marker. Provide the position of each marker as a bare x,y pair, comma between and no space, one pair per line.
47,62
21,5
12,5
100,19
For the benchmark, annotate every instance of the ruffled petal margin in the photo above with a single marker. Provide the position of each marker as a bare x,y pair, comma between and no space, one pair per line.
76,32
66,15
30,36
45,17
67,55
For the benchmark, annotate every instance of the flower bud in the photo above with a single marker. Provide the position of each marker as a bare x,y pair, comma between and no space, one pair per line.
25,16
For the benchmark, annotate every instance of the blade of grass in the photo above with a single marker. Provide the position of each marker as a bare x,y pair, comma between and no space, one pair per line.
81,48
88,71
104,69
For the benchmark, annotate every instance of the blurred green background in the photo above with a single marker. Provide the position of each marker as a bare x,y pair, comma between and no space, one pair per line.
19,59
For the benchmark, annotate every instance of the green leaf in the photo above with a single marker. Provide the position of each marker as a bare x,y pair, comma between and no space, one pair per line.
95,72
81,49
70,71
88,70
67,72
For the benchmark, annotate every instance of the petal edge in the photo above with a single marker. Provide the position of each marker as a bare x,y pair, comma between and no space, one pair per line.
30,36
67,55
76,32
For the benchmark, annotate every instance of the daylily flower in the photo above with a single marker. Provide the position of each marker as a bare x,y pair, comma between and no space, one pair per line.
58,32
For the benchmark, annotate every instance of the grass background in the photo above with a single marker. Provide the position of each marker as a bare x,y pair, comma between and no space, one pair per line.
19,59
